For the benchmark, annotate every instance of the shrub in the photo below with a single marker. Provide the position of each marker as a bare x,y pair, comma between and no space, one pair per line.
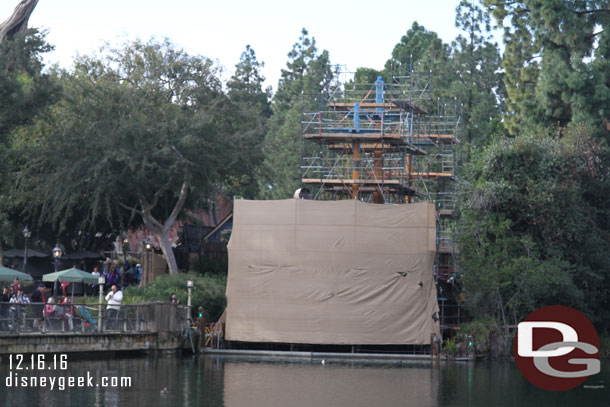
450,347
208,292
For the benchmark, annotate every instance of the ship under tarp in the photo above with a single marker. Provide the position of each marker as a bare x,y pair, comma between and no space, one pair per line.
332,272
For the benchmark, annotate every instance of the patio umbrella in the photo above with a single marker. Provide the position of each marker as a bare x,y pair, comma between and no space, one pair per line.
7,274
72,275
84,255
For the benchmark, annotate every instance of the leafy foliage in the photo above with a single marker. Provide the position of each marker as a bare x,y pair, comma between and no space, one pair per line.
208,292
25,90
556,62
478,77
307,72
529,226
245,90
141,132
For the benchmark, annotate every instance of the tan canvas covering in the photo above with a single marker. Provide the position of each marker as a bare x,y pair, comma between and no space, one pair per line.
331,272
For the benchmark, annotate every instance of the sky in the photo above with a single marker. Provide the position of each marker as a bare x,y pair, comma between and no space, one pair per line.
356,33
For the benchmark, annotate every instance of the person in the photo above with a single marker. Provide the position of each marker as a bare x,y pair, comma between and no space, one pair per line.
4,309
64,287
173,299
112,278
38,298
138,274
17,313
96,273
15,287
68,312
114,299
49,312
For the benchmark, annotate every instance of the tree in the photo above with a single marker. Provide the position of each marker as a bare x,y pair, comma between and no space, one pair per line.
307,75
532,226
18,21
245,91
422,52
478,82
140,132
246,84
25,89
24,92
556,62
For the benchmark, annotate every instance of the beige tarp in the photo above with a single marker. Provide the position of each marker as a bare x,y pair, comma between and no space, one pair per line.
331,272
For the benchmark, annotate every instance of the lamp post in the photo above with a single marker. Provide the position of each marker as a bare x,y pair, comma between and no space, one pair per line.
57,252
189,287
27,233
101,280
125,246
148,247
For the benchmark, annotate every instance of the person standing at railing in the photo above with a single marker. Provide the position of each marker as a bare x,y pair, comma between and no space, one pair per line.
114,299
38,298
49,313
18,299
4,309
68,313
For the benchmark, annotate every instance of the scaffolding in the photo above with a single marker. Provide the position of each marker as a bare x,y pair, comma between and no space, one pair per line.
388,143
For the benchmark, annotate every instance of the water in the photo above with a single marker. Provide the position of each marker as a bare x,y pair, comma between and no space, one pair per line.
223,381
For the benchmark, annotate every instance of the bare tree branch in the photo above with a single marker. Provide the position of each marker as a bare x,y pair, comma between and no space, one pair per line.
178,207
18,21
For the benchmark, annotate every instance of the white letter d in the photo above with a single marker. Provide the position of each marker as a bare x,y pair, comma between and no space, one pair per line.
525,338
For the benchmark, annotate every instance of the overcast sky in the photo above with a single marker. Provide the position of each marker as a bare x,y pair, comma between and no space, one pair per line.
356,33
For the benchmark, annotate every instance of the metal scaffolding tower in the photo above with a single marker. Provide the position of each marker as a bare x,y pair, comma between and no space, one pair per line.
388,142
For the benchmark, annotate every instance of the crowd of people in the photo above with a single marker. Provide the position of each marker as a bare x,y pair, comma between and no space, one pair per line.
47,312
41,308
121,275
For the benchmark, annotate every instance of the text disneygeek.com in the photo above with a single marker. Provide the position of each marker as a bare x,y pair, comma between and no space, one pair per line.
20,365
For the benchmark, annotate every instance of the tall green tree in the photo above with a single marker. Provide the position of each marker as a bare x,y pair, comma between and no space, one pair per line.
246,94
308,73
479,80
556,62
246,84
423,55
25,90
141,133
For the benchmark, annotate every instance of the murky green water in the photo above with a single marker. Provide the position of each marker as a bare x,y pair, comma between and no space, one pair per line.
221,381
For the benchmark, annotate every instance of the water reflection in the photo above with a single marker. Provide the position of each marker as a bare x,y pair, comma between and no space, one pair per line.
293,384
221,381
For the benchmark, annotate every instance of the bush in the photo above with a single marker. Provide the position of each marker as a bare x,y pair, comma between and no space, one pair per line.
208,292
482,329
450,347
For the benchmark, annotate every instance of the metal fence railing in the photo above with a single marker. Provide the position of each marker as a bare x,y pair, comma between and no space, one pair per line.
92,318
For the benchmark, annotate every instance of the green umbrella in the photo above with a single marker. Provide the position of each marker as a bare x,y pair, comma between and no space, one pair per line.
7,274
72,275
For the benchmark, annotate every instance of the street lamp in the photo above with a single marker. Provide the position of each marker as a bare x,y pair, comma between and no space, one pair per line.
57,252
189,287
27,233
101,280
148,247
125,246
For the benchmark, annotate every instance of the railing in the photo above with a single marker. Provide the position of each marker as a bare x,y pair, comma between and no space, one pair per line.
92,318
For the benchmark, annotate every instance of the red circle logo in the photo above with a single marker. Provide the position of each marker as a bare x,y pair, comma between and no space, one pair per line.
556,348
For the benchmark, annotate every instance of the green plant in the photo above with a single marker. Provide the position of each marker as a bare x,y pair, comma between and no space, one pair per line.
480,330
450,347
208,292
